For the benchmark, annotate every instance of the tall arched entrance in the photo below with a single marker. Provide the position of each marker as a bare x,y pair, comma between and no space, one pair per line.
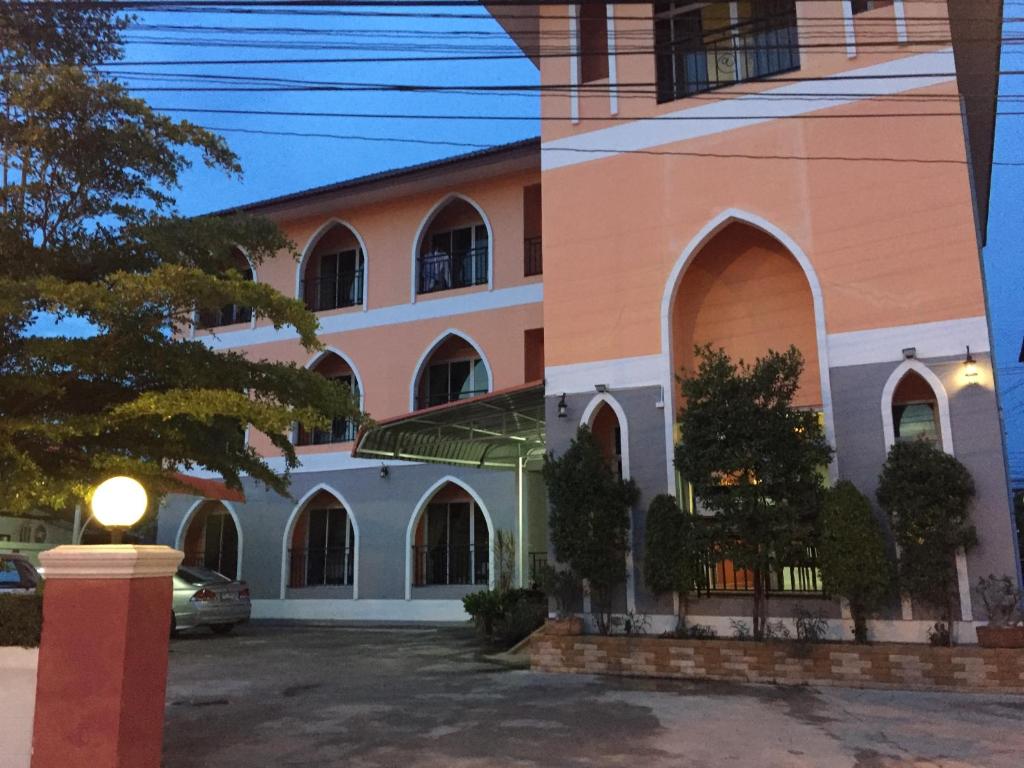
211,540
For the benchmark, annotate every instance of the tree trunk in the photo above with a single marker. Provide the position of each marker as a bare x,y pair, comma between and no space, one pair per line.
860,623
760,617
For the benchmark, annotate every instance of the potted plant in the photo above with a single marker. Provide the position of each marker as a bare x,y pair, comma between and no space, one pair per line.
1003,605
562,587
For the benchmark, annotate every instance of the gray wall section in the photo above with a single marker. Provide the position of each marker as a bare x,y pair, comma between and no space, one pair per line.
382,509
860,449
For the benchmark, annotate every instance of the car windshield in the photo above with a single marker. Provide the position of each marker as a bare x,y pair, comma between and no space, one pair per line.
197,576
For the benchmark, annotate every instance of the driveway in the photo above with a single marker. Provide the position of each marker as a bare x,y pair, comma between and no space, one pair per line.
319,697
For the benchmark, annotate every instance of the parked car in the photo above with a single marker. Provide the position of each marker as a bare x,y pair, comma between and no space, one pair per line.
17,574
205,598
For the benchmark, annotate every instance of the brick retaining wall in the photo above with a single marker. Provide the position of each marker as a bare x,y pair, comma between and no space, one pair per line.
888,665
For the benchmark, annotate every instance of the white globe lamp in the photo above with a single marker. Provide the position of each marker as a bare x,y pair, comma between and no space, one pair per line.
118,504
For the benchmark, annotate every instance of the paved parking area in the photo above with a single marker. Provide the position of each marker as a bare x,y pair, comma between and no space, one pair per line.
318,697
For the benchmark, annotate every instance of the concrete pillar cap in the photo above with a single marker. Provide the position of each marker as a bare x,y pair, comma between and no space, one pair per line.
110,561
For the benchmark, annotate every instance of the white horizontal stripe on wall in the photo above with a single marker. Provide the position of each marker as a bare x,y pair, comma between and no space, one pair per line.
330,461
946,338
311,609
913,72
644,371
467,303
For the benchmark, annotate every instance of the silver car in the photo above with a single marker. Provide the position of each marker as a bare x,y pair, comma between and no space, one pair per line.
205,598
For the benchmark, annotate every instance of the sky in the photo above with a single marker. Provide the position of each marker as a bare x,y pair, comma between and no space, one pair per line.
275,165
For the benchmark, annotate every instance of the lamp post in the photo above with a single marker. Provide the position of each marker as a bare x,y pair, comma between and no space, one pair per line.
119,503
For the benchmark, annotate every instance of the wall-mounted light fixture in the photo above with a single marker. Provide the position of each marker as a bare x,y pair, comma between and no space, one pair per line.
563,409
970,365
909,353
602,388
384,472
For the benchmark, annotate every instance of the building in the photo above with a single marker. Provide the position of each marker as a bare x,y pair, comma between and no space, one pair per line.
748,174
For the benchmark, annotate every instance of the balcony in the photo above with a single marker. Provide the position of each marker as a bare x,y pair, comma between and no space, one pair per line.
228,315
438,271
333,566
450,565
721,575
334,292
533,257
693,59
341,431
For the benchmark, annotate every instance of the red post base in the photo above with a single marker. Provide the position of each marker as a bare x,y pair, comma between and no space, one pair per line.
102,675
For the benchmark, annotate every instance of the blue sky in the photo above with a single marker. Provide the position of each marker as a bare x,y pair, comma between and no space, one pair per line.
276,165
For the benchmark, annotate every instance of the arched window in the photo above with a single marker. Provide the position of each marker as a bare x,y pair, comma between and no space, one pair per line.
230,314
454,370
454,250
915,411
333,366
321,549
451,543
604,425
211,540
332,275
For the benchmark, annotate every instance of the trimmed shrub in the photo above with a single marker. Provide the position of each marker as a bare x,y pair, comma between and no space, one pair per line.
506,617
675,548
484,608
21,620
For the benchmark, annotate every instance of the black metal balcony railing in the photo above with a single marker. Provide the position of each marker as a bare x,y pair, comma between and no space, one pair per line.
225,561
333,566
429,401
341,431
442,271
748,51
722,575
227,315
342,290
533,257
450,565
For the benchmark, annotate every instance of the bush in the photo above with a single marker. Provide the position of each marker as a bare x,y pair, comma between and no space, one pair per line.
927,495
484,608
506,617
852,555
21,620
562,586
675,549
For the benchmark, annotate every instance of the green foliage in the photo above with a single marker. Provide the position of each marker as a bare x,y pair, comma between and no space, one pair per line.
563,586
1003,601
810,627
504,560
927,494
89,236
753,460
507,616
21,620
589,525
675,546
853,555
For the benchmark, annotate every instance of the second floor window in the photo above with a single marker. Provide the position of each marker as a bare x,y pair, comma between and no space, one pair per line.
455,380
340,430
338,281
229,314
454,259
700,47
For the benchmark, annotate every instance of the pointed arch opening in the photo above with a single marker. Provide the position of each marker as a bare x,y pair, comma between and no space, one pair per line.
449,539
453,368
230,314
333,365
332,273
321,546
915,406
210,537
452,248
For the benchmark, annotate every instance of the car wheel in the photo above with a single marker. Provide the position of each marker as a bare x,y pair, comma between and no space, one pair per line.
174,625
221,629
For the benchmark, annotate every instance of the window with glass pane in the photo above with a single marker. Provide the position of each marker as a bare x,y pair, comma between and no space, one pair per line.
339,282
328,552
455,258
455,380
915,421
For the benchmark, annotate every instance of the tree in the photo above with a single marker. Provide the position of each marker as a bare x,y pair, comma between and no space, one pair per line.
753,460
89,233
853,555
589,524
675,550
927,495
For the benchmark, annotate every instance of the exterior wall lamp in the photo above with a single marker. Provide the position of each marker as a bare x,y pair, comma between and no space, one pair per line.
970,365
119,503
563,409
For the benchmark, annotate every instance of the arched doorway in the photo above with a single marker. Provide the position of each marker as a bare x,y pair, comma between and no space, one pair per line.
210,539
453,248
322,542
450,540
746,292
332,273
452,369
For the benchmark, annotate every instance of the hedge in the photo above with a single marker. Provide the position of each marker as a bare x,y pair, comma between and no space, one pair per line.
21,620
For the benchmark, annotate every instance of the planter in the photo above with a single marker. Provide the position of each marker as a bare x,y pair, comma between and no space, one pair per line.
1001,637
17,705
571,626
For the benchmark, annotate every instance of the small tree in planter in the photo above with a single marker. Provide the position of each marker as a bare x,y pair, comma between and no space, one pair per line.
754,460
927,494
589,523
675,549
852,555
